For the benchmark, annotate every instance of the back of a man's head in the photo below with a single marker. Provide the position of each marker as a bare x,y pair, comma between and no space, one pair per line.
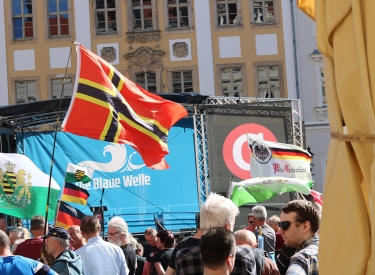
37,223
217,211
90,225
218,248
4,241
245,237
259,212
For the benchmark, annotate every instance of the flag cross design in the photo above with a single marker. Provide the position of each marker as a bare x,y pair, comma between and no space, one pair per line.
124,111
118,108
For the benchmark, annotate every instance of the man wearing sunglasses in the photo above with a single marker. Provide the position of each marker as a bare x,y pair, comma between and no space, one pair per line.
251,222
299,223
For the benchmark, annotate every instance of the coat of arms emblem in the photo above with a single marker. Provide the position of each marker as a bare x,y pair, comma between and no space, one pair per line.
108,54
14,190
180,49
79,174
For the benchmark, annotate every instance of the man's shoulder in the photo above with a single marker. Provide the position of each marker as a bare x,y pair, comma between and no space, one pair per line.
34,265
244,261
32,241
188,242
243,251
193,250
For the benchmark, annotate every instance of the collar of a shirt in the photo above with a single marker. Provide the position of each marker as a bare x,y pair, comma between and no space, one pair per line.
94,239
314,239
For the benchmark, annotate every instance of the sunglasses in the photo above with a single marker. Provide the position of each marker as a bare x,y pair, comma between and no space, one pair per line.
285,225
250,221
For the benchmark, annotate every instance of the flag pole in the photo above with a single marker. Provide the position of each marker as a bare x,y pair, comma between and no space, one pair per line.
53,147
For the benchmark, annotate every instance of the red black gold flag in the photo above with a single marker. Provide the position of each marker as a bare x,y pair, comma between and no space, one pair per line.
108,106
73,193
68,216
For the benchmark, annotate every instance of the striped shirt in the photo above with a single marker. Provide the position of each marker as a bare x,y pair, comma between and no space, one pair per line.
305,261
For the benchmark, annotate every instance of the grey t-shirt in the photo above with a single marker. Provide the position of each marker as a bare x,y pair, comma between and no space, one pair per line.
269,238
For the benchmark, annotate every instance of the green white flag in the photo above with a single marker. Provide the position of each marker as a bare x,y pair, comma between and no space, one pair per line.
75,173
260,189
24,188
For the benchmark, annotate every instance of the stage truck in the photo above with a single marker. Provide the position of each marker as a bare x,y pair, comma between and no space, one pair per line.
206,148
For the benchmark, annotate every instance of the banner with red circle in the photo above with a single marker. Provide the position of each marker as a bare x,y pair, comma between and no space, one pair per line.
236,151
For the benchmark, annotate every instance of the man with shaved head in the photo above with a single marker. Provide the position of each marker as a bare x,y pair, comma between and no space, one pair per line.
265,266
75,233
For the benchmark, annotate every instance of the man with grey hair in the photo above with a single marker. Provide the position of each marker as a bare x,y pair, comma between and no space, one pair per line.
260,214
57,244
15,234
118,234
216,211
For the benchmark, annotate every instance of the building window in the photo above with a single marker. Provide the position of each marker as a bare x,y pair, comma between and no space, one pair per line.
58,17
231,82
22,13
321,86
182,81
26,91
142,14
178,14
231,79
268,81
227,13
147,80
56,86
106,16
264,13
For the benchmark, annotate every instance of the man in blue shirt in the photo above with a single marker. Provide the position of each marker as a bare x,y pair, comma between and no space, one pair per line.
18,265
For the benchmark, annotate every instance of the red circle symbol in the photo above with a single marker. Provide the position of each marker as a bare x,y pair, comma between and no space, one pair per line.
236,152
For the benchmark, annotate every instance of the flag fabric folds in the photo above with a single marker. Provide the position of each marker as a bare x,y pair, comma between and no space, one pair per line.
73,193
260,189
24,188
158,225
68,216
273,159
75,173
123,111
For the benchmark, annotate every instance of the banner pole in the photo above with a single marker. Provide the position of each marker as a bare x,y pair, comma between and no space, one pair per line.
53,149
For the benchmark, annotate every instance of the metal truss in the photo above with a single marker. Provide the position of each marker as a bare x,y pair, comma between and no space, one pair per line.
201,156
31,122
289,109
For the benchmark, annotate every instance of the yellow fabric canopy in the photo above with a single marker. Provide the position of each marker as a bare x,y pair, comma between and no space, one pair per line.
346,38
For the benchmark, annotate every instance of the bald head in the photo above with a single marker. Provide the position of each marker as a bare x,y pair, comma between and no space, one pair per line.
245,237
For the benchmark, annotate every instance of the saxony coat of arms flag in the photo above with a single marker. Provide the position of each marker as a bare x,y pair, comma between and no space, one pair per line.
24,188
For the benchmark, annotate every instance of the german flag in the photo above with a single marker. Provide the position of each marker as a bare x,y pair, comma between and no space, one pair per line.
74,193
124,112
68,216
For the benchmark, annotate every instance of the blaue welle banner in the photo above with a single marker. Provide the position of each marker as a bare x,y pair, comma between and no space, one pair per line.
129,188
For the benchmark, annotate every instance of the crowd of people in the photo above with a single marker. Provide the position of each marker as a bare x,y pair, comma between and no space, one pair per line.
289,245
